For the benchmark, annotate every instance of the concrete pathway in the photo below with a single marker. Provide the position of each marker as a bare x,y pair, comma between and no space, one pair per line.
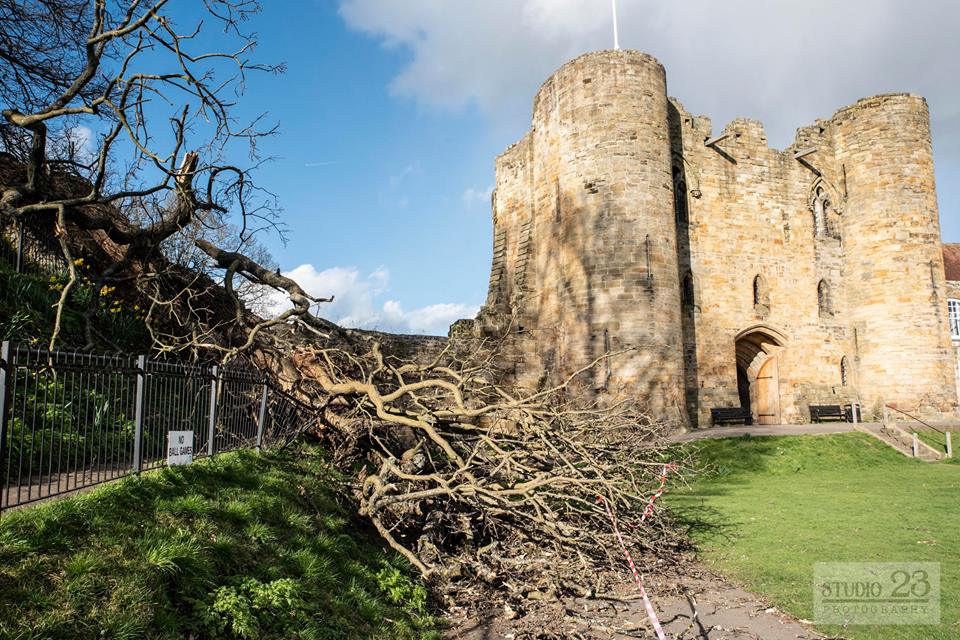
764,430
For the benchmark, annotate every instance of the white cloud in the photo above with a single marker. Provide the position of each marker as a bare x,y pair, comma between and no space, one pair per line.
434,318
785,63
477,196
396,179
78,139
81,137
357,302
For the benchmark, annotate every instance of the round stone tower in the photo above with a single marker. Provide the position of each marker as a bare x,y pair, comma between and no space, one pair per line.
891,253
597,255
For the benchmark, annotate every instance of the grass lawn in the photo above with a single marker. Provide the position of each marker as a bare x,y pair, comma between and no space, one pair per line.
244,546
772,507
938,440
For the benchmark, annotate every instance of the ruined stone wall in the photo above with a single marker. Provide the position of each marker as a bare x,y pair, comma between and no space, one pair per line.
613,201
750,216
584,217
893,259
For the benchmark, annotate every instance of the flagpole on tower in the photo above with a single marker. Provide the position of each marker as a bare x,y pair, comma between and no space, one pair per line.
616,31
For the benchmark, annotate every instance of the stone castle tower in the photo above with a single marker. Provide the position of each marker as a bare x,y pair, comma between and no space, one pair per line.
729,273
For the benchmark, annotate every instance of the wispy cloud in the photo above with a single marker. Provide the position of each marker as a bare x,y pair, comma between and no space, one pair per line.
817,55
325,163
398,178
357,302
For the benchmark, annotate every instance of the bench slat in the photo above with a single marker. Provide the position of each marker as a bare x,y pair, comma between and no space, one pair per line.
820,411
722,415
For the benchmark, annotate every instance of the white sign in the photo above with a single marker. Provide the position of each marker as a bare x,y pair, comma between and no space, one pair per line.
179,447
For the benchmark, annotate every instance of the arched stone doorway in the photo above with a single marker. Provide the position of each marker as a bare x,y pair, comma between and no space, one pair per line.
758,372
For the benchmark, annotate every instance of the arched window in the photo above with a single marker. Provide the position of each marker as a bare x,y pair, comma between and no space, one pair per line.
820,208
686,292
761,295
953,310
680,198
844,376
824,302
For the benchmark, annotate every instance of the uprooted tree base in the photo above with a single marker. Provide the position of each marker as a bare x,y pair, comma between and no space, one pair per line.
482,486
486,489
474,482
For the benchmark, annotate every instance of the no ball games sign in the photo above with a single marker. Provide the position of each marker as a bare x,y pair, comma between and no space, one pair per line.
179,447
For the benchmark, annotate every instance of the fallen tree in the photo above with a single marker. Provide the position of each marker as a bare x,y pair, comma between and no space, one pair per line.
472,481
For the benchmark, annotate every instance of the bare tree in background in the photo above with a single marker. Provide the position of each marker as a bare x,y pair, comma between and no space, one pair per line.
119,128
119,117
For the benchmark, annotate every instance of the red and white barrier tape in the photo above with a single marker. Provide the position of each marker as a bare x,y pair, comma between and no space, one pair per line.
663,483
648,511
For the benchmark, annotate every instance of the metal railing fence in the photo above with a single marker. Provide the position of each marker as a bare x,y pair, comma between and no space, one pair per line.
29,250
70,420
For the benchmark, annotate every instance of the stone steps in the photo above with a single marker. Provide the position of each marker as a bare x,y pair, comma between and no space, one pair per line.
901,440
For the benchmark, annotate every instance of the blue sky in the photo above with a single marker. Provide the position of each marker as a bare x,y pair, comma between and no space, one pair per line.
387,197
391,113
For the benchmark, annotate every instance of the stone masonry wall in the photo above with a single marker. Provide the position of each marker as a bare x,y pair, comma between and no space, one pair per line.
752,218
613,200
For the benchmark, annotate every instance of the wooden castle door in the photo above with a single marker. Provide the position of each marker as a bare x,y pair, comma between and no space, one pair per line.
768,393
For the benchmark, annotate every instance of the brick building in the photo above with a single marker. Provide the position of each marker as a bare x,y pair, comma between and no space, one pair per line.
729,273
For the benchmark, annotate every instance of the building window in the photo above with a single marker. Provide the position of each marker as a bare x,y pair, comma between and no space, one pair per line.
686,293
761,295
680,198
823,299
820,207
953,306
843,371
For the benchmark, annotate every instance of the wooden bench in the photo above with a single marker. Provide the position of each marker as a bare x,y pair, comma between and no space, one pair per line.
821,412
727,415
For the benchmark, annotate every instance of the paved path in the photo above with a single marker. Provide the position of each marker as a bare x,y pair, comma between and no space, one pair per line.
764,430
699,606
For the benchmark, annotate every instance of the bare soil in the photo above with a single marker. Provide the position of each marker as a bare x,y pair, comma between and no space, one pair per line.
699,605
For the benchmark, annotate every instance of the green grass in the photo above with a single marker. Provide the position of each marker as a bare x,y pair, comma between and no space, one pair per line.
244,546
772,507
938,440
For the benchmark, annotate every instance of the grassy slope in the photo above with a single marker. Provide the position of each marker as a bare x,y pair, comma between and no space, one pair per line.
938,440
27,314
244,546
772,507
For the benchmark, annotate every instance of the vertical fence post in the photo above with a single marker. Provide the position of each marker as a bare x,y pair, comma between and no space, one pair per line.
19,261
949,446
138,414
5,369
211,448
261,424
916,445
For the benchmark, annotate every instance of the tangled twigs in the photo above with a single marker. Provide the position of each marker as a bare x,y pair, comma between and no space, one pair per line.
467,477
473,480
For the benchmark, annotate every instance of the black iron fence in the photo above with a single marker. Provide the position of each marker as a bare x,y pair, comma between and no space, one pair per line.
28,250
69,420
